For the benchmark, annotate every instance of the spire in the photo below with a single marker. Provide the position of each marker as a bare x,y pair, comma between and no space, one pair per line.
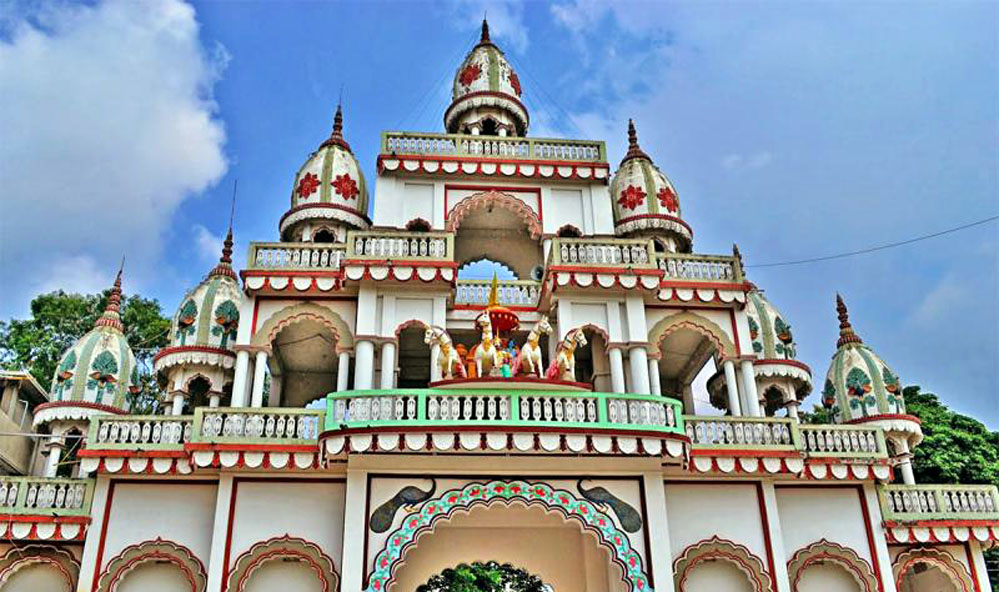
846,334
112,312
485,32
634,150
494,290
224,266
336,137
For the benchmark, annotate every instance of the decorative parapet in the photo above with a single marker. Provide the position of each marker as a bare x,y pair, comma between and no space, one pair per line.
400,245
603,252
218,425
295,256
915,503
509,292
843,441
40,496
139,432
497,147
682,267
741,433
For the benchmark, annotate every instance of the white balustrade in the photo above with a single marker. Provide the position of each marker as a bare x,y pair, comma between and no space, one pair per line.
492,147
381,408
748,432
818,439
317,256
698,268
143,430
27,494
463,407
914,501
509,293
641,412
260,425
390,246
558,409
595,252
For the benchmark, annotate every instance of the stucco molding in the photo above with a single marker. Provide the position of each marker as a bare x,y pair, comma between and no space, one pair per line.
20,557
158,550
823,551
494,198
945,562
283,548
299,312
719,549
688,320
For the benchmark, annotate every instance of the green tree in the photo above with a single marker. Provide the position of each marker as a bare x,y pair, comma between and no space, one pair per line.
59,319
483,577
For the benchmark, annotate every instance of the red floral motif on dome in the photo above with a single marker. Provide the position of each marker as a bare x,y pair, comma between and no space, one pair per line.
631,197
307,185
345,186
668,199
515,82
470,74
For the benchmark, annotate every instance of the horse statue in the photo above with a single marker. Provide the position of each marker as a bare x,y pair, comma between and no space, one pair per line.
449,359
487,355
529,362
563,367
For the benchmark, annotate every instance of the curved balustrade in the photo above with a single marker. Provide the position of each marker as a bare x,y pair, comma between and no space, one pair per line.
38,495
140,431
740,432
509,292
839,440
279,426
424,144
602,252
400,245
302,256
929,502
549,408
699,268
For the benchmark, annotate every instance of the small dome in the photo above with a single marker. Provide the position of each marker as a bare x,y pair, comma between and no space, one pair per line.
329,189
645,201
485,96
100,367
769,330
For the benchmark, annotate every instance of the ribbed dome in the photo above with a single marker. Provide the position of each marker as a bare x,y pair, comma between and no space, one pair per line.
329,189
100,367
770,332
486,94
644,200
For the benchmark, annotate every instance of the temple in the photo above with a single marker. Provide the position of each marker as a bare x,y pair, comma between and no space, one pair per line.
359,410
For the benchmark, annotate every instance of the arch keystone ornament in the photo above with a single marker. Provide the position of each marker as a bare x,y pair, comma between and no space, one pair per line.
156,550
18,558
717,548
569,505
283,548
953,569
823,550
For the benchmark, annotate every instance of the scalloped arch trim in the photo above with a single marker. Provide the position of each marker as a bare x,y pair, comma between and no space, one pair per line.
688,320
823,550
714,549
18,558
281,548
495,198
300,312
157,550
945,562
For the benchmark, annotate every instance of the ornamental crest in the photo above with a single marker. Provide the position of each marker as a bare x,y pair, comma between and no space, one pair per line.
515,82
345,186
64,378
307,185
786,345
631,197
185,320
858,386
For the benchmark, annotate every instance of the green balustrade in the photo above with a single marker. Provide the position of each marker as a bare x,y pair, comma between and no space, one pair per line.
45,497
269,425
913,503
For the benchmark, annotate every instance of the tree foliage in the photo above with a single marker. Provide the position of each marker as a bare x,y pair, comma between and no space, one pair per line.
483,577
59,319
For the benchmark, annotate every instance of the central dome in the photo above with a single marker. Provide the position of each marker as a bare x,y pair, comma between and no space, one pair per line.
485,96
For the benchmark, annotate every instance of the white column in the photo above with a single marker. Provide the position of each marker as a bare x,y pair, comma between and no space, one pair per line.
364,365
616,368
274,398
654,383
660,554
978,560
904,459
213,399
733,391
352,560
388,366
776,537
343,371
259,373
178,404
880,543
52,461
435,368
88,562
792,408
639,362
688,400
239,380
220,527
752,395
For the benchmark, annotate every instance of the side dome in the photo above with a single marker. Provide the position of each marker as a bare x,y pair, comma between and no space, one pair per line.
329,193
485,95
781,379
769,330
98,371
644,200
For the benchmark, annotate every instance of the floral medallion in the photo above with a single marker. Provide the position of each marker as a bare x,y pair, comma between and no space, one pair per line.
667,197
345,186
470,74
631,197
307,185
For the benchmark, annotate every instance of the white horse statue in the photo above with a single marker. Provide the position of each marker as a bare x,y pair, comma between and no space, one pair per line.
564,365
528,361
487,355
449,360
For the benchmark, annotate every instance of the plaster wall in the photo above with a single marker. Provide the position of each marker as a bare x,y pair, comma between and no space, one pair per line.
283,576
809,514
35,578
721,317
268,307
701,511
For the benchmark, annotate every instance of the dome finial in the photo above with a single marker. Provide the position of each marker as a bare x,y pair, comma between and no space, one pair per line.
634,150
112,312
485,31
846,334
224,266
336,137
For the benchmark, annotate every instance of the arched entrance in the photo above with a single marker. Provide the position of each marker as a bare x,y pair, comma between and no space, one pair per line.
38,567
719,564
931,569
516,522
690,347
499,227
287,563
826,566
488,576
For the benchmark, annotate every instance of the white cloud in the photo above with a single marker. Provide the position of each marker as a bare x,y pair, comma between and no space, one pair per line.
742,162
208,245
75,274
108,124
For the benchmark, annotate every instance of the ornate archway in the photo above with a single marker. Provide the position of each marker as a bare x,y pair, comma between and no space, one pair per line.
441,508
950,567
717,548
281,548
823,550
158,550
494,198
18,558
695,322
304,311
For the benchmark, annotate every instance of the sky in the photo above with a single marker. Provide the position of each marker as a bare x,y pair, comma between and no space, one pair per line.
795,129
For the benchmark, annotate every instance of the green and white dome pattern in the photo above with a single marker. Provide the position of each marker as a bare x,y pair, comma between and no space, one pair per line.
208,315
769,331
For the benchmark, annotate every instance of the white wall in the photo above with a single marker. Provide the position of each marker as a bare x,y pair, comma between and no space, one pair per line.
37,578
809,514
698,512
154,577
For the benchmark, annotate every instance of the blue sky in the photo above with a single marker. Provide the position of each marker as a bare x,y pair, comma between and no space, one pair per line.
795,129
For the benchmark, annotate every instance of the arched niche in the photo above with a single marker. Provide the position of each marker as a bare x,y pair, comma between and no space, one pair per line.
686,343
285,563
30,568
151,566
496,226
716,564
931,569
413,359
829,560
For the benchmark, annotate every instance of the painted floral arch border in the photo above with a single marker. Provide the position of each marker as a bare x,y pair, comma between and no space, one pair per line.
497,198
291,314
155,550
18,558
824,550
697,323
279,548
471,495
726,550
945,562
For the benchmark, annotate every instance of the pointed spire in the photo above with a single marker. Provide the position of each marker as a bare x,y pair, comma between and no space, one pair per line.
485,31
336,137
224,266
846,334
634,150
494,292
112,312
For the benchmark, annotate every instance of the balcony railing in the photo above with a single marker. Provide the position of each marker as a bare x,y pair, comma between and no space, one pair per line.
740,432
38,495
414,246
909,503
509,292
843,441
219,425
423,144
699,268
607,252
300,256
405,407
142,432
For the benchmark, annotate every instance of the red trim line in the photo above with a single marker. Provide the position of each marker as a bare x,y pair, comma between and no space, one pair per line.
484,306
902,416
118,453
45,519
505,429
324,205
399,263
942,523
971,565
85,404
680,285
655,216
251,447
869,528
488,93
623,270
745,453
193,348
735,332
104,534
765,519
794,363
288,272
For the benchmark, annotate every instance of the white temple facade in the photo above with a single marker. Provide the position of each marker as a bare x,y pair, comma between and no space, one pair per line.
351,413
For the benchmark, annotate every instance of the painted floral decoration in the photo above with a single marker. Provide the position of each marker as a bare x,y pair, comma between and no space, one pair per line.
631,197
470,74
185,320
858,385
515,82
307,185
345,186
668,200
102,375
226,321
786,345
64,379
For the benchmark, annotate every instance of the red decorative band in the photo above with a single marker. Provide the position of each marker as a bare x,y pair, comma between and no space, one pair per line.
794,363
324,206
85,404
193,348
899,416
656,216
487,93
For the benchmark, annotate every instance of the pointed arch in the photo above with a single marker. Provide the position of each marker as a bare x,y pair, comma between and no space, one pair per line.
689,320
596,329
304,311
440,509
18,558
494,198
158,550
717,548
945,562
823,550
282,548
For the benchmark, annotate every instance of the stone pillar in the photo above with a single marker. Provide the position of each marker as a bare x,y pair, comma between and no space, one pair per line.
219,529
749,381
977,559
792,408
654,383
274,398
55,446
616,368
214,399
239,380
178,403
364,364
352,561
733,391
660,553
688,400
904,458
259,374
639,361
94,543
343,371
388,366
882,558
773,528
